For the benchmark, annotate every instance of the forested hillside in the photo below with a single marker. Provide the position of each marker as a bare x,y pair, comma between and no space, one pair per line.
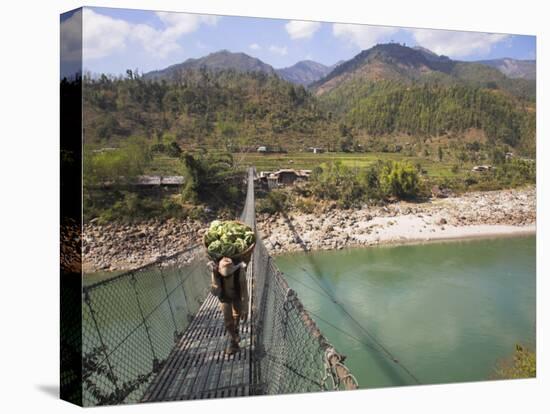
223,109
417,65
222,102
385,108
214,62
514,68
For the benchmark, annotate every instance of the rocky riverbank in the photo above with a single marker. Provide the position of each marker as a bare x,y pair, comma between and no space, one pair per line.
123,246
115,246
480,214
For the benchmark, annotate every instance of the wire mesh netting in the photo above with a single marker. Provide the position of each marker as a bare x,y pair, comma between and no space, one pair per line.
70,338
131,322
290,354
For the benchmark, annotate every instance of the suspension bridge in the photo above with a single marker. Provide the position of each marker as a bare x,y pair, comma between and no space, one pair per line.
156,334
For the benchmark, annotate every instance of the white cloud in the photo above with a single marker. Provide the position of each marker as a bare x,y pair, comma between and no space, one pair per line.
361,35
255,46
104,35
298,29
178,24
456,44
279,50
71,38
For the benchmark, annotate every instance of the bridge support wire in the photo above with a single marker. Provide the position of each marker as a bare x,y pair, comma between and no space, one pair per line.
139,343
289,352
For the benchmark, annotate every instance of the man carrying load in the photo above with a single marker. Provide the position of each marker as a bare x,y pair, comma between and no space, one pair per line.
229,285
230,245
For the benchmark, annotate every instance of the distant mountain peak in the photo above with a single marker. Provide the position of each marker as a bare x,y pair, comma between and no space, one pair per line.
513,68
381,61
428,54
304,72
424,49
396,62
216,61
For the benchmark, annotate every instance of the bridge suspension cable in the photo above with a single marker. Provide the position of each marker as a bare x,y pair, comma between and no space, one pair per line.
385,351
155,333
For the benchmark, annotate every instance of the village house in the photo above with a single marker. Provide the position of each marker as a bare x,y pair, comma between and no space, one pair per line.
481,168
282,177
316,150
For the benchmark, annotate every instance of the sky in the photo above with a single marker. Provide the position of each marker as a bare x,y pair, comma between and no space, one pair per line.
115,40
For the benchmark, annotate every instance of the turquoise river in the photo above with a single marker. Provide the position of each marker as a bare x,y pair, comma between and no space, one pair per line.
447,312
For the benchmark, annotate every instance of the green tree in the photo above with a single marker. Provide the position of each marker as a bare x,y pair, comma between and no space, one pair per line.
335,181
346,143
211,178
498,155
399,179
173,150
192,170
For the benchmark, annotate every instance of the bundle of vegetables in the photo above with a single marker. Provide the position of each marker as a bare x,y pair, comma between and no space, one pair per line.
228,238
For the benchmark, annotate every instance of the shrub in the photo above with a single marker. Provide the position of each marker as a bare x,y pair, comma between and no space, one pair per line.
337,182
399,179
523,364
131,207
516,172
173,150
305,205
211,179
160,148
511,173
349,188
275,201
371,181
171,207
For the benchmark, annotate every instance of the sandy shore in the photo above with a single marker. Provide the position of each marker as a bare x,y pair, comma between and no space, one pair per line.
475,215
485,214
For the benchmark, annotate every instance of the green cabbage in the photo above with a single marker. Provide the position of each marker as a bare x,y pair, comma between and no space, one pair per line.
228,238
215,247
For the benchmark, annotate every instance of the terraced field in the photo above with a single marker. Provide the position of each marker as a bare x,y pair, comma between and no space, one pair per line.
164,165
307,160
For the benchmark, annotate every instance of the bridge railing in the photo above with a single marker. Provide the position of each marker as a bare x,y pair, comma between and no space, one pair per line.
131,322
289,352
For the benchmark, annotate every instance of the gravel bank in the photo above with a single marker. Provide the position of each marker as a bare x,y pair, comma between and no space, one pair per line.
480,214
484,214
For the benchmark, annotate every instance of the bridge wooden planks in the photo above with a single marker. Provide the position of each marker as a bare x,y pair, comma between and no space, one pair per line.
198,367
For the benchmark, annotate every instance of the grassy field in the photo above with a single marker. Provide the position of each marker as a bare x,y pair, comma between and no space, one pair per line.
307,160
164,165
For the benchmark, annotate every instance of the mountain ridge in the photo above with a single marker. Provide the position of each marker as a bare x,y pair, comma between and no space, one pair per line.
514,68
395,62
216,61
305,72
387,61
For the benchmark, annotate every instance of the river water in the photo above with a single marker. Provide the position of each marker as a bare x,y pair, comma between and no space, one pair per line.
446,311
